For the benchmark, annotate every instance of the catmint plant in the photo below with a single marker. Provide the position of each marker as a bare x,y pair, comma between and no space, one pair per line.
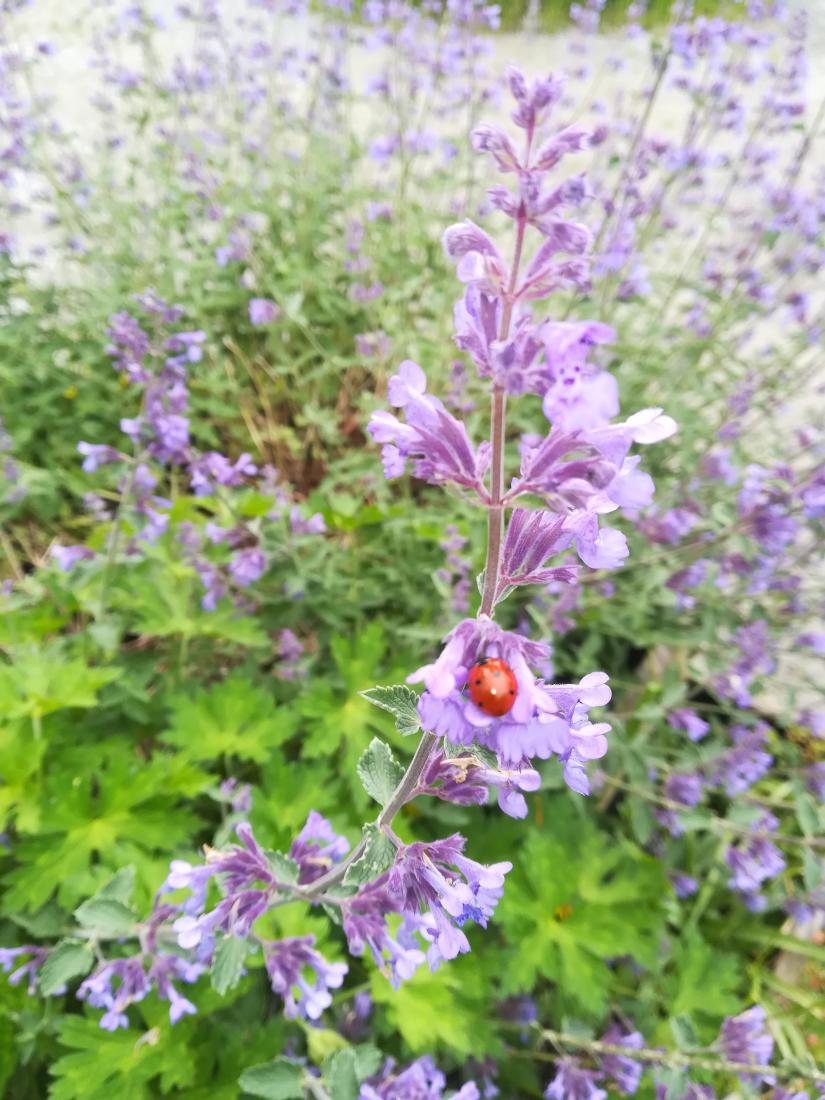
487,720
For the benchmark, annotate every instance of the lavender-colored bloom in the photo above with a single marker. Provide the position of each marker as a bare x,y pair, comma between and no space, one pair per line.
238,795
302,976
247,566
67,557
755,860
533,537
545,719
685,886
97,455
424,875
364,919
738,769
317,848
421,1080
114,986
684,788
263,311
300,525
23,962
624,1070
574,1082
745,1038
290,650
211,469
685,719
435,440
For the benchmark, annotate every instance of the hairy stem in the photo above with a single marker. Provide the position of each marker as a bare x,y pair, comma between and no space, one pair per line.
406,786
498,419
672,1058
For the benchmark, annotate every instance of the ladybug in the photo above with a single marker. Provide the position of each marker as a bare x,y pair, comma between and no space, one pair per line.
493,686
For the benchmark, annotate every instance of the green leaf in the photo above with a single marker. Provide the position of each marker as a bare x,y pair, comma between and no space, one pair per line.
277,1080
120,887
378,855
346,1069
379,771
285,869
228,964
105,917
233,718
401,701
69,959
706,981
575,901
339,1075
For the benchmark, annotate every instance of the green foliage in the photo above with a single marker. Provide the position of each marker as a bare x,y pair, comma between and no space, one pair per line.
577,901
401,702
277,1080
379,771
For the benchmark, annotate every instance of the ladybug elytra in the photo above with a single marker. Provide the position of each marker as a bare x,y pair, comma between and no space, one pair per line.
493,686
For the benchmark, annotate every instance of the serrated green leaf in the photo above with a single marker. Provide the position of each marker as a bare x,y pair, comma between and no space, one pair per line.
69,959
284,868
705,982
339,1076
401,702
378,855
120,887
576,901
105,917
379,771
276,1080
228,963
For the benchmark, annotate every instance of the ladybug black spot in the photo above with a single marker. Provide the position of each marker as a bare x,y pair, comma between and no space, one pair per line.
512,692
478,681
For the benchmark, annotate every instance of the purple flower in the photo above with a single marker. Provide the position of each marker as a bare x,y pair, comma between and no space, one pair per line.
755,860
421,1080
424,875
67,557
745,1038
302,976
23,962
364,918
435,440
247,566
263,311
317,848
685,719
545,719
624,1070
114,986
573,1082
685,886
96,455
738,769
212,469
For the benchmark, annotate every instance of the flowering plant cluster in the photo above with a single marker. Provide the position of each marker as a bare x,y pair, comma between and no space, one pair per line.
187,657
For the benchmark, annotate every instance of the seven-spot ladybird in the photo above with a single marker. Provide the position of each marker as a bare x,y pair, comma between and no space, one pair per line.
493,686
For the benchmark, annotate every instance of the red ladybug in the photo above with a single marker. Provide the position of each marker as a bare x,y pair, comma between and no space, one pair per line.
493,686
